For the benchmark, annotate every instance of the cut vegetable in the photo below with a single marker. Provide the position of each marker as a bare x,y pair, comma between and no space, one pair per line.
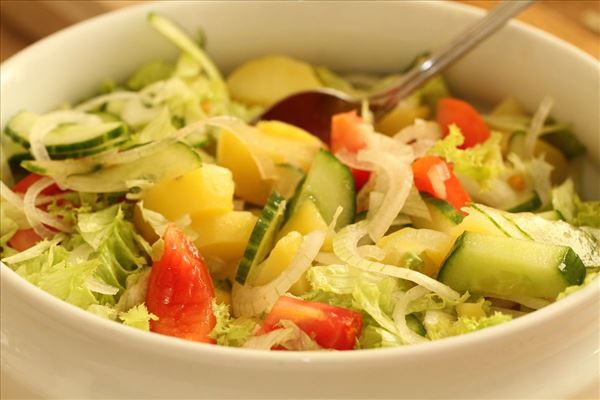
444,217
179,158
262,237
510,267
329,184
69,140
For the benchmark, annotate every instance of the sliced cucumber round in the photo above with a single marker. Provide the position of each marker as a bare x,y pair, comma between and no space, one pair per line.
67,138
444,217
262,236
330,184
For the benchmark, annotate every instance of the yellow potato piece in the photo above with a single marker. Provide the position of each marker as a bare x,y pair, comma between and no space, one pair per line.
265,80
288,131
404,240
404,114
236,155
280,258
203,192
305,219
224,236
287,143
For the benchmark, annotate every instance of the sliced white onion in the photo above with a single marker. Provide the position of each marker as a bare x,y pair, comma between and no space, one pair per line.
34,251
345,248
537,124
351,160
98,101
531,302
80,254
289,336
437,176
49,199
48,122
420,136
38,218
395,173
400,312
10,196
371,251
97,286
326,258
248,301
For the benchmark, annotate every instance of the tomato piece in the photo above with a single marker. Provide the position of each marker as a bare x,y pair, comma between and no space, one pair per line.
24,239
330,326
454,111
454,194
25,183
345,134
180,291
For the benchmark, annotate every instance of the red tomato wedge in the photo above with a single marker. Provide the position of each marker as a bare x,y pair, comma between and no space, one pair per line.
455,111
428,169
345,134
180,291
25,183
331,327
24,239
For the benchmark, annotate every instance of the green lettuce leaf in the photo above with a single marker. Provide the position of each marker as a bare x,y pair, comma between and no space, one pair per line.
229,331
481,163
440,324
152,72
138,317
575,288
572,209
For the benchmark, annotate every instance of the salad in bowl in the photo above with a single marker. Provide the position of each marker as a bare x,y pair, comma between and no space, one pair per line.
161,203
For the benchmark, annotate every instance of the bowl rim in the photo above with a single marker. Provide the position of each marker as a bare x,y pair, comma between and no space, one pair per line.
153,342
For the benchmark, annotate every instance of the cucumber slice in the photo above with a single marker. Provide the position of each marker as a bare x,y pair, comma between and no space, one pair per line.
552,215
530,201
179,158
68,137
501,266
507,227
539,229
110,145
330,184
444,217
262,236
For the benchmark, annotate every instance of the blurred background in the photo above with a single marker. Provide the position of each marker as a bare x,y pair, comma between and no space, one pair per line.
23,22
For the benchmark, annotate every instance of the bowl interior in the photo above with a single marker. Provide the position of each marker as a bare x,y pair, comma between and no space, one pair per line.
357,36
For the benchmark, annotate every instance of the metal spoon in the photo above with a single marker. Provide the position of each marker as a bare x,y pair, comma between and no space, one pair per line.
312,110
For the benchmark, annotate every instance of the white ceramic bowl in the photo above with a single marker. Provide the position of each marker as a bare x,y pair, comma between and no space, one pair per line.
55,349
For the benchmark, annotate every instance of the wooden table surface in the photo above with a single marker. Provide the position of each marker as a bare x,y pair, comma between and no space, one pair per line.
23,22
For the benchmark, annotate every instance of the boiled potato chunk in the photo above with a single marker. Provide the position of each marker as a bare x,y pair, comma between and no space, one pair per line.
305,219
285,143
287,131
205,191
265,80
404,114
280,258
223,236
236,155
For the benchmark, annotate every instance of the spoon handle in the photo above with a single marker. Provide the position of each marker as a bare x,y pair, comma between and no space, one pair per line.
449,53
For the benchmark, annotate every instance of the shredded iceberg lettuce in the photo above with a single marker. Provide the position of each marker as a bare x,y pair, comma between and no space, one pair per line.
138,317
572,209
481,163
440,324
230,331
